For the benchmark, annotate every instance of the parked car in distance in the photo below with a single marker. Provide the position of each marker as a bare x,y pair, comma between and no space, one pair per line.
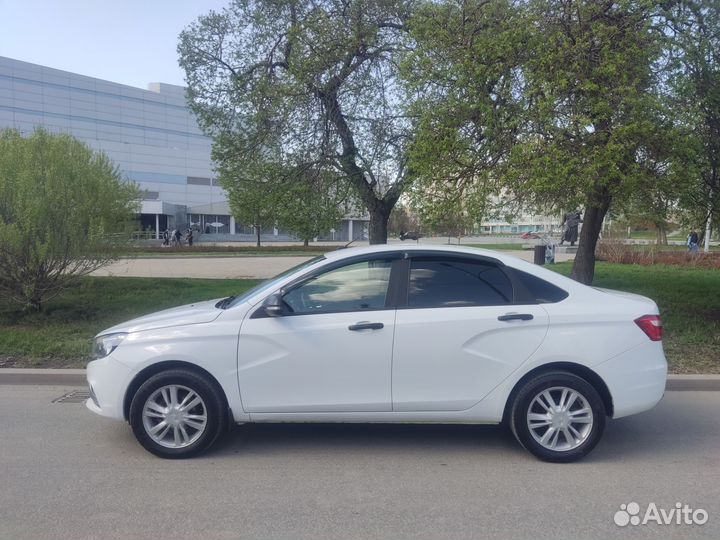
388,334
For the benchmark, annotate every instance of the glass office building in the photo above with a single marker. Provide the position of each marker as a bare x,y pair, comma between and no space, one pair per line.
150,134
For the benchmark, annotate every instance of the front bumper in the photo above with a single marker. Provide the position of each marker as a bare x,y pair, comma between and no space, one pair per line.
108,380
636,378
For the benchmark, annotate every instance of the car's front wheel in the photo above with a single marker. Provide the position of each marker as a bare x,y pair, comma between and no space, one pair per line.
177,414
558,417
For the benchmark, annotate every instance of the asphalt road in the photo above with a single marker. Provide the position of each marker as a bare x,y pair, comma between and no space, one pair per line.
66,473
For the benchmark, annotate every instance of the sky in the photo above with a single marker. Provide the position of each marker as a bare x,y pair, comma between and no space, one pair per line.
131,42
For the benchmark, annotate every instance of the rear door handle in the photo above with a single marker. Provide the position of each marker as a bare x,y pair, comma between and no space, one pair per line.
515,317
366,326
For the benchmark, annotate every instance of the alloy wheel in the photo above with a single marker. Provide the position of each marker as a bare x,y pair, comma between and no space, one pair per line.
560,418
174,416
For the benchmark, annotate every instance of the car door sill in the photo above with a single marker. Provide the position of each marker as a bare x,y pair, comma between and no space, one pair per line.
393,417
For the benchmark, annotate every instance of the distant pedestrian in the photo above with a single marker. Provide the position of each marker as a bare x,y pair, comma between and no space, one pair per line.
166,237
692,242
178,237
189,236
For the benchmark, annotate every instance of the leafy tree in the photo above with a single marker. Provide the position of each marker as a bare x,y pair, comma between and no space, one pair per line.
403,219
666,174
312,204
63,208
252,195
465,73
306,83
263,193
693,29
591,106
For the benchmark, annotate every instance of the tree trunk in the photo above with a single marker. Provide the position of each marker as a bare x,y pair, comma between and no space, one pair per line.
35,301
378,227
378,207
661,237
584,266
306,242
257,232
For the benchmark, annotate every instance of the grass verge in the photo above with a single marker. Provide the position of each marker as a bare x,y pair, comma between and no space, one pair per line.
61,335
689,299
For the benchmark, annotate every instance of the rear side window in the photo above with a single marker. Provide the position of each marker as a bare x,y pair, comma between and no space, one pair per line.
540,291
454,282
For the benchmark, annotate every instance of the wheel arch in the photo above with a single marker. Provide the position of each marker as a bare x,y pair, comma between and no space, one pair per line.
581,371
153,369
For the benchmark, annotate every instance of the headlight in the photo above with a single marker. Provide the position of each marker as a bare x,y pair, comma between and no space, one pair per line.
106,344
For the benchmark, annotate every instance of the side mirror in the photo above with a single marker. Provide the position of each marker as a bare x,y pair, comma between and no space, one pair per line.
274,305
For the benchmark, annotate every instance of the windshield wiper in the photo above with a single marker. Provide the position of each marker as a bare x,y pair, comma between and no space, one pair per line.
225,302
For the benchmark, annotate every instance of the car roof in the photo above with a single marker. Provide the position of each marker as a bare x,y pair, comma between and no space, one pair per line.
343,253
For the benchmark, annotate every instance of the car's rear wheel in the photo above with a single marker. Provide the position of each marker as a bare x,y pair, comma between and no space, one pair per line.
177,414
558,417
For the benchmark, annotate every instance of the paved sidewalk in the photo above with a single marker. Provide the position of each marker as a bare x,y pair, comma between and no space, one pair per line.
201,267
228,267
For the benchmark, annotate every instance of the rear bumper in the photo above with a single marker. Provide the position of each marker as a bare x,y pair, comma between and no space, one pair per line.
636,378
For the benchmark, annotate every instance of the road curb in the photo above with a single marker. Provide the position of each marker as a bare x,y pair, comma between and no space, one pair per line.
59,377
76,377
696,383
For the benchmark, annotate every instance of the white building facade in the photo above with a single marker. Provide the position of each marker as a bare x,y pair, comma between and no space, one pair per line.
151,135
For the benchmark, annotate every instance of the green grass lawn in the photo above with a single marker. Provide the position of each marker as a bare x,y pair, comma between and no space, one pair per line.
61,336
689,300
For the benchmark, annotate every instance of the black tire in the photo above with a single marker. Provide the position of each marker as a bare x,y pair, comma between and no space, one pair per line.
212,401
551,381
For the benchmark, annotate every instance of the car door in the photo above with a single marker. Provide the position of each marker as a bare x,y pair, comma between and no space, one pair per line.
331,349
460,333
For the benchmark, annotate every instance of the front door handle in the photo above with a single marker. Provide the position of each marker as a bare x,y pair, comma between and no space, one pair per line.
515,317
366,326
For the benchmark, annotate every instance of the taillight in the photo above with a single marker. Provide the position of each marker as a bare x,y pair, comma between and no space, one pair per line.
651,325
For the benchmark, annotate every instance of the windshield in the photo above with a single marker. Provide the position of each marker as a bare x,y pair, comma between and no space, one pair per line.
268,284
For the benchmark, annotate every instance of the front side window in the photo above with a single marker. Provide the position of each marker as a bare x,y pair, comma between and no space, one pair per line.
453,282
360,286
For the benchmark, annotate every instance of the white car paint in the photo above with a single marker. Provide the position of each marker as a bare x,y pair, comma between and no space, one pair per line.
453,364
314,364
428,375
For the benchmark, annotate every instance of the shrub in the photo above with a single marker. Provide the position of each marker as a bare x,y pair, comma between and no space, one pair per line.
616,251
63,207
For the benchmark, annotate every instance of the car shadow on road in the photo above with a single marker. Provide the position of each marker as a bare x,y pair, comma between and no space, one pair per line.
664,432
262,439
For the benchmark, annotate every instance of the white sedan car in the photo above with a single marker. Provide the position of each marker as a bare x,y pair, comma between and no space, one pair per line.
388,334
